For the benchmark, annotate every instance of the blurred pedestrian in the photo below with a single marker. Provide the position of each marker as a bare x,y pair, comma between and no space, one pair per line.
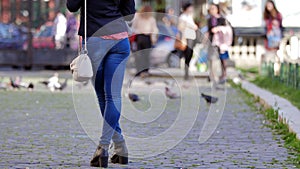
170,18
221,36
145,27
187,28
109,51
170,21
71,32
273,22
59,30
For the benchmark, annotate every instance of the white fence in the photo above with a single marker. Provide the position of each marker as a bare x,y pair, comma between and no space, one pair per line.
247,51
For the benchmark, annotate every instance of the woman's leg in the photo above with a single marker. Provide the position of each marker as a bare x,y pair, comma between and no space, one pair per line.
114,67
223,64
188,54
223,58
97,56
117,136
142,61
99,87
147,45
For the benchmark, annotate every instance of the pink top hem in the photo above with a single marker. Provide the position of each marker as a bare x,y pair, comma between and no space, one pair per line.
117,36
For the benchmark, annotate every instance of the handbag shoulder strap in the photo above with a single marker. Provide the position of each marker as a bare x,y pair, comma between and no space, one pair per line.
85,26
80,49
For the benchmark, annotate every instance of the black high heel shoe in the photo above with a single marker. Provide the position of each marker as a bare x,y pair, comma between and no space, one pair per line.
100,158
120,154
119,159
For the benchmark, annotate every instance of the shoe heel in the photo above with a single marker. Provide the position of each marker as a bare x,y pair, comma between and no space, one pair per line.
115,159
103,162
123,160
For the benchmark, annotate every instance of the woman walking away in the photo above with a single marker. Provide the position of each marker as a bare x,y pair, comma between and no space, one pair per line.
273,20
145,27
187,28
108,51
221,36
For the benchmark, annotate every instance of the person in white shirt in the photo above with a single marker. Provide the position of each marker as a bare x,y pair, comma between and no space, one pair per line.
59,30
187,28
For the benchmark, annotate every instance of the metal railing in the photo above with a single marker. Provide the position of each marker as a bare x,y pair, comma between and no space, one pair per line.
289,73
285,64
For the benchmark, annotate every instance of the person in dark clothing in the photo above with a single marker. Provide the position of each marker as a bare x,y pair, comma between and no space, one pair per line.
214,20
142,62
216,25
145,27
101,13
108,48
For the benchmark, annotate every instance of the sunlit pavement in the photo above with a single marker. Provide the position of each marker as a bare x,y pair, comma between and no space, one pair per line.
40,129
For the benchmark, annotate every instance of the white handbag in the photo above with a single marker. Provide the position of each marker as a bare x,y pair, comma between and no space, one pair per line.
81,66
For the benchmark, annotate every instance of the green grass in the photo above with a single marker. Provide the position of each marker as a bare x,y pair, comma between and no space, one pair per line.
253,70
290,138
274,86
278,126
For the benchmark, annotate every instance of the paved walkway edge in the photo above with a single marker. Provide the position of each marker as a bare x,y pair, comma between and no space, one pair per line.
287,111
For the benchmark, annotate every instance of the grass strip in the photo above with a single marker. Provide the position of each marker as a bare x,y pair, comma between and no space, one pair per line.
278,125
276,87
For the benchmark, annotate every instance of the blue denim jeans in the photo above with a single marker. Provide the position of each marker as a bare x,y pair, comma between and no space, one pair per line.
109,58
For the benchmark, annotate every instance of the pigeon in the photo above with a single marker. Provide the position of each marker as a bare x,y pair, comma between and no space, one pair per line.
169,83
63,85
52,83
20,83
13,84
170,94
241,76
148,82
3,86
44,83
208,79
30,86
133,97
209,99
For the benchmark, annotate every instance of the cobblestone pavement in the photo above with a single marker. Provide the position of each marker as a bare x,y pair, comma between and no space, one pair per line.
41,130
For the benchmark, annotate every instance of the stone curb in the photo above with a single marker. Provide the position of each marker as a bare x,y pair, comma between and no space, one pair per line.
287,112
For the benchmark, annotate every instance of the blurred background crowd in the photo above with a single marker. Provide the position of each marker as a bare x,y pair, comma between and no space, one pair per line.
50,23
28,28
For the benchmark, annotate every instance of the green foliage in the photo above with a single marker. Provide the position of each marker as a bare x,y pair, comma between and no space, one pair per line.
253,70
290,138
291,94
